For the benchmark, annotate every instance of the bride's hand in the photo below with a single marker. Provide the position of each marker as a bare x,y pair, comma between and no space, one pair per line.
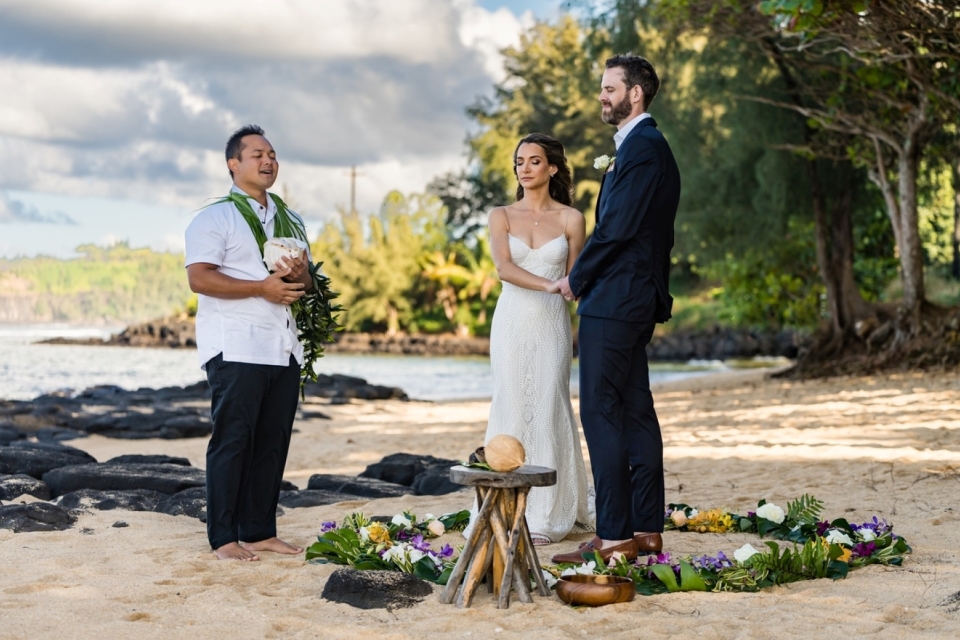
553,287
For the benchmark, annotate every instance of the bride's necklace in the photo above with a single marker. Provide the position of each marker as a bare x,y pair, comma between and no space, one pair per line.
540,218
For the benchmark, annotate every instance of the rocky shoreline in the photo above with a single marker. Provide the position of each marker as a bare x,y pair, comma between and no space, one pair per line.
715,343
49,483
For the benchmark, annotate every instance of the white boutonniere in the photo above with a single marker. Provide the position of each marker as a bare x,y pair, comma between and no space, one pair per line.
603,163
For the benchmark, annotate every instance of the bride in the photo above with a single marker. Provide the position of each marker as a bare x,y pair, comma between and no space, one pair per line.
535,242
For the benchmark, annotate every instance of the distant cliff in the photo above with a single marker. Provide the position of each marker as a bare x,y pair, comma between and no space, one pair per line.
102,286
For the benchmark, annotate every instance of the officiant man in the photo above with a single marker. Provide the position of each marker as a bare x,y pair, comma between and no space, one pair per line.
247,342
621,279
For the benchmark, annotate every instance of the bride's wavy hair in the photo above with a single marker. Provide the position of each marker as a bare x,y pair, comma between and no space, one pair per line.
561,183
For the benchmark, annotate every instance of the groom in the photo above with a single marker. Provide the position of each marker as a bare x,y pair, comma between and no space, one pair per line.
621,279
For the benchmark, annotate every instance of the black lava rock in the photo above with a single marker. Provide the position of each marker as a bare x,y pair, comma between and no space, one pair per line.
38,458
136,458
354,486
435,482
375,589
9,433
16,485
312,498
192,502
58,434
163,478
403,468
136,500
36,516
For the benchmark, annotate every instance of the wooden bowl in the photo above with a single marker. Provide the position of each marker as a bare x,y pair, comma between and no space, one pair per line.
594,591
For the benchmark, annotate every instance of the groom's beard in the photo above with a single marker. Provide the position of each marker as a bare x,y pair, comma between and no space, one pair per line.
618,112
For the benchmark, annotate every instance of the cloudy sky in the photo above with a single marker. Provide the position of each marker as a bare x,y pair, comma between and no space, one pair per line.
113,113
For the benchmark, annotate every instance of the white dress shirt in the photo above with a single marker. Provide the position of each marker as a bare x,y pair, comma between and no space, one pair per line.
252,330
625,130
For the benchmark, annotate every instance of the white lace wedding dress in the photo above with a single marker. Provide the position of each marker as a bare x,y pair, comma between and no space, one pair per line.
530,354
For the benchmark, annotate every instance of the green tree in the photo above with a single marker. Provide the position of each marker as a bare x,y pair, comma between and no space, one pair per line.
374,262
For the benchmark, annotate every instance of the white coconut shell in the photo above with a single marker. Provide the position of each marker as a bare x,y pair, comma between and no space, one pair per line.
276,248
504,453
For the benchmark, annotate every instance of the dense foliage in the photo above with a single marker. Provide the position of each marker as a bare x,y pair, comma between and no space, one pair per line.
105,284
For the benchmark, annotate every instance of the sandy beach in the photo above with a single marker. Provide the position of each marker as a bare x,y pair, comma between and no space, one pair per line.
886,446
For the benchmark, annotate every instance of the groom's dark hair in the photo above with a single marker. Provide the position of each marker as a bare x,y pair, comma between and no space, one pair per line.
234,145
637,71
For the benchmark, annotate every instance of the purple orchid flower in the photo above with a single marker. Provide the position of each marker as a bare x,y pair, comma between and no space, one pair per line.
446,551
863,549
714,563
419,544
329,525
822,527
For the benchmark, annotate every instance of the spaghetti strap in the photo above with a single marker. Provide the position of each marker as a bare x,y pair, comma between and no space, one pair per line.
507,217
566,216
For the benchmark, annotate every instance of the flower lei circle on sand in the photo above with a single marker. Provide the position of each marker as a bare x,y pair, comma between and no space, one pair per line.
819,549
815,548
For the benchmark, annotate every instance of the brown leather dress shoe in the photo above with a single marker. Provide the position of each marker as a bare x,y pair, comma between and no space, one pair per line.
628,549
648,542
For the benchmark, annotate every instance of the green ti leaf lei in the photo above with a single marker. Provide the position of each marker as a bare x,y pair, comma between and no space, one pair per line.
315,313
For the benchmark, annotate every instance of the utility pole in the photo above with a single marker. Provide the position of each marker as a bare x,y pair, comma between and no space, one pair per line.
353,187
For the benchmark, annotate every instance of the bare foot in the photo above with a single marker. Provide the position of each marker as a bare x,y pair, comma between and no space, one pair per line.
273,544
233,551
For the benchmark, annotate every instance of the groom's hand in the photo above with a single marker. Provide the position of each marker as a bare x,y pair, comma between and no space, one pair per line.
565,289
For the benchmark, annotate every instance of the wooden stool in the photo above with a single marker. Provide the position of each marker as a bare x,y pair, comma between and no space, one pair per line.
499,530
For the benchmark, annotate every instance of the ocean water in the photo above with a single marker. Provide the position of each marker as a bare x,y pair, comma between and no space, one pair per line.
28,369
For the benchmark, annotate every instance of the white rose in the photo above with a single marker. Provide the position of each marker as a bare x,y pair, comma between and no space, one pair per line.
276,248
436,527
364,534
393,554
744,553
771,512
867,535
835,536
679,518
694,512
415,555
401,520
602,163
549,578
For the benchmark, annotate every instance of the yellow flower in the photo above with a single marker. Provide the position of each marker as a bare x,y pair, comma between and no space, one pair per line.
379,533
713,521
847,554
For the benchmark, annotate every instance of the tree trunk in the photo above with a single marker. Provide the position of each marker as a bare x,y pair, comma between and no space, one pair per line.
956,219
850,305
911,253
834,236
393,320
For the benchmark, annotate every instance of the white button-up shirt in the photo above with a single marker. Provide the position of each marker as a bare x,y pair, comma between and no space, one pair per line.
625,130
252,330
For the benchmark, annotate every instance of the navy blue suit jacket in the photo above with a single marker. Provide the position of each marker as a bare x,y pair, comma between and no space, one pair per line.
623,271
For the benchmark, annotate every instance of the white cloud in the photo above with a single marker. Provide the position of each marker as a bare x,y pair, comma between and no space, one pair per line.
134,99
415,31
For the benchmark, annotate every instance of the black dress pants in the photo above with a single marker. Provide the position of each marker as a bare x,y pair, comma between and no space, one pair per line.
621,426
253,409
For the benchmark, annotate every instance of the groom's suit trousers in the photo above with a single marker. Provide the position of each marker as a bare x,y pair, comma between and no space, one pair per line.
621,426
253,408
